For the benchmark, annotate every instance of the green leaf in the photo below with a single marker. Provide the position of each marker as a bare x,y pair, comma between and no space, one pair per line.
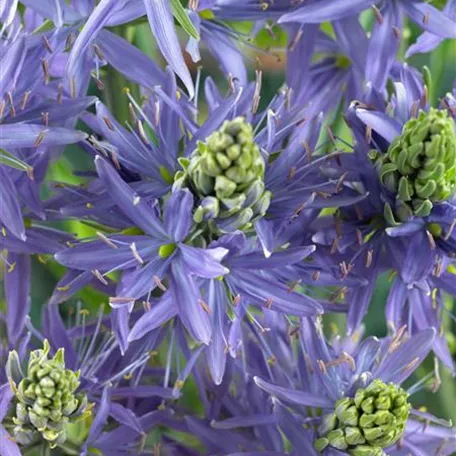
12,161
182,17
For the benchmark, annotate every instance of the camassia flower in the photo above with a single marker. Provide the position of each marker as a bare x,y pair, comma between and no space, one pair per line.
352,402
405,162
175,199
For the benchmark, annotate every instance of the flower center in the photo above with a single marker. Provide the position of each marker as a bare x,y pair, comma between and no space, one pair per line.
226,172
369,422
45,397
420,165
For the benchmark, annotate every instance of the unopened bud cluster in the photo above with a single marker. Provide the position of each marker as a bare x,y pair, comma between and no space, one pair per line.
420,165
46,398
366,424
226,172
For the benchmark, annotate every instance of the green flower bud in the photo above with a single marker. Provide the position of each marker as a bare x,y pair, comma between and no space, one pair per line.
365,424
420,165
226,173
46,398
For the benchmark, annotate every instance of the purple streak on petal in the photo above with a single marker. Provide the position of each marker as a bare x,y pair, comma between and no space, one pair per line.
325,10
17,293
264,229
400,364
159,313
162,24
177,215
430,18
124,196
405,229
293,396
384,125
186,296
10,208
360,298
204,262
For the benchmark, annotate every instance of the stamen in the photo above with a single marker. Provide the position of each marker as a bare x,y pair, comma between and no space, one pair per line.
316,275
98,52
98,275
204,306
136,254
106,240
47,44
60,93
256,95
159,283
108,123
25,98
450,230
369,257
39,139
322,366
431,240
142,133
308,150
359,237
45,118
294,42
45,67
340,182
378,14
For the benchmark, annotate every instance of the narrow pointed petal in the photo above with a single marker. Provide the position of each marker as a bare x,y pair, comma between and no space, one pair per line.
14,136
294,396
162,24
400,364
204,262
159,313
177,216
325,10
17,292
384,125
8,447
135,208
10,209
186,296
430,18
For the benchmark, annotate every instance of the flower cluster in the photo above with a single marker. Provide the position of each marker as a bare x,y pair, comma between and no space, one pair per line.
195,239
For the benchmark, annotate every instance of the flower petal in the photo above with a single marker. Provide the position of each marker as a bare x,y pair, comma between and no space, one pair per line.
162,24
204,262
177,216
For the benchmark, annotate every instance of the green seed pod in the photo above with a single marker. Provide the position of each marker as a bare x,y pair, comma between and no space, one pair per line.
226,173
46,398
420,165
365,424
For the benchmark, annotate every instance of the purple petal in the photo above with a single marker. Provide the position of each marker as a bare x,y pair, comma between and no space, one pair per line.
216,352
177,216
399,365
29,135
325,10
430,18
159,313
130,61
204,262
383,46
6,394
186,297
17,293
10,208
384,125
8,447
125,416
419,259
162,24
294,396
101,417
124,196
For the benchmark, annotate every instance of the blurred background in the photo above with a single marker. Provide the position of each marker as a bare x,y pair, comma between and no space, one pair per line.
263,52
